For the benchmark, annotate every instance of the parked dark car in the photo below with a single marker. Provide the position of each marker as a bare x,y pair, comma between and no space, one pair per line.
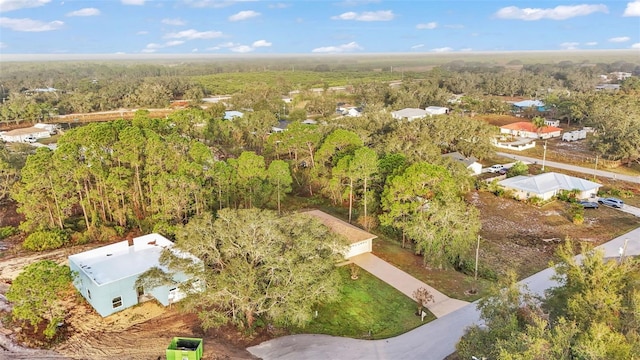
613,202
588,204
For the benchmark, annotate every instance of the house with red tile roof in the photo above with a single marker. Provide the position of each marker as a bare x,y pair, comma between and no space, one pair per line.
526,129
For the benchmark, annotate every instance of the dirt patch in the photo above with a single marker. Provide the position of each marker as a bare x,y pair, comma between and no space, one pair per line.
499,120
523,237
140,332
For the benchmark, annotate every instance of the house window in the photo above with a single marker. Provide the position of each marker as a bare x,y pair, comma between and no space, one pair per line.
116,302
89,294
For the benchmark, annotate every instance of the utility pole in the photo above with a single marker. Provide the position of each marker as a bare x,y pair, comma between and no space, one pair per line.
623,249
544,154
595,168
475,272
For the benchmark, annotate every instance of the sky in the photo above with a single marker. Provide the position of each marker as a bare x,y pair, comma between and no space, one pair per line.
314,27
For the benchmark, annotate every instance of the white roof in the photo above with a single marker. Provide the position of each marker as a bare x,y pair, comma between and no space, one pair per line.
544,183
119,261
436,108
409,113
229,115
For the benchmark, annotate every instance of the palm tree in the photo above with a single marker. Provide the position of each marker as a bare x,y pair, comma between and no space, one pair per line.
538,123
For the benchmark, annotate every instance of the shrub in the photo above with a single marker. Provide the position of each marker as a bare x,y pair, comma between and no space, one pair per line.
535,200
101,233
80,238
519,168
7,231
576,213
45,240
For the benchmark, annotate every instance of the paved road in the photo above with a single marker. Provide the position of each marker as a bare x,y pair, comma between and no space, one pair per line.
432,341
580,169
407,284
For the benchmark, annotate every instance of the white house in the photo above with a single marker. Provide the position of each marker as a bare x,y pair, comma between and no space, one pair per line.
547,185
29,134
106,276
281,127
469,162
409,114
360,241
437,110
230,115
353,112
574,135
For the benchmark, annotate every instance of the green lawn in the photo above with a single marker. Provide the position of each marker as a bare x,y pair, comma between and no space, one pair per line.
367,305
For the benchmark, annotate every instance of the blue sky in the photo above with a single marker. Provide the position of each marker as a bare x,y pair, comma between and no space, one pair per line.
314,27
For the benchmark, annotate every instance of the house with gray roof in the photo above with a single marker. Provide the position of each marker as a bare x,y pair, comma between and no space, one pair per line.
409,114
469,162
548,185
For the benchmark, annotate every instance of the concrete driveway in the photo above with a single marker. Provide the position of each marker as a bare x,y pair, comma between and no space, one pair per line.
407,284
432,341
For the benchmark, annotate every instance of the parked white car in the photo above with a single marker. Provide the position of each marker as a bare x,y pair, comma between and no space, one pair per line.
496,168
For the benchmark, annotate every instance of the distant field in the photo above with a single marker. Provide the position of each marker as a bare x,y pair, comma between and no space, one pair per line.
347,60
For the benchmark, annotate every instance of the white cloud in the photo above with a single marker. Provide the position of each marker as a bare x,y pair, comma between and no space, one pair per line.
132,2
620,39
383,15
30,25
261,43
244,15
569,45
228,45
417,46
173,22
153,47
466,49
561,12
192,34
591,43
633,9
242,49
173,43
2,45
431,25
454,26
635,46
352,46
279,6
142,32
10,5
85,12
194,50
442,49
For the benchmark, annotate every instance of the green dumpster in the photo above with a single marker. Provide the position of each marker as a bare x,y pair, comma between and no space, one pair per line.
182,348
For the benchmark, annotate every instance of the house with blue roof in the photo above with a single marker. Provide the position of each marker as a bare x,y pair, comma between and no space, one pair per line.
526,104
